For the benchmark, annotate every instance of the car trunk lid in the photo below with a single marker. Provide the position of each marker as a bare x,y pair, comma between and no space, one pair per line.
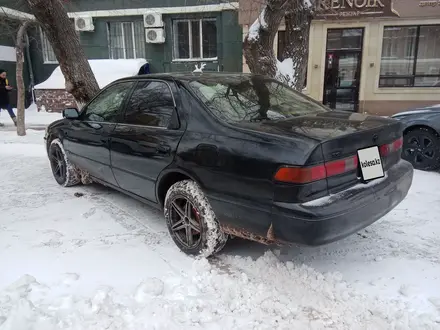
339,135
335,125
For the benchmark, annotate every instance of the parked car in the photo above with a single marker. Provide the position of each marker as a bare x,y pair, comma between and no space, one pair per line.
421,137
234,155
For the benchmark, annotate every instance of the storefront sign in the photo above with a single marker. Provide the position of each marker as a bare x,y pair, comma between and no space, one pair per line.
340,9
429,3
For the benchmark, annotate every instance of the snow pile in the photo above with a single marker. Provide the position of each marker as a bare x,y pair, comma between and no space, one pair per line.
33,118
304,298
105,71
260,23
268,295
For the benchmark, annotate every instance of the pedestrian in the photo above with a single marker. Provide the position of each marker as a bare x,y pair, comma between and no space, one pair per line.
4,96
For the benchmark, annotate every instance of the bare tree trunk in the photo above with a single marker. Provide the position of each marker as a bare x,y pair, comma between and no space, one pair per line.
60,32
297,20
19,48
258,44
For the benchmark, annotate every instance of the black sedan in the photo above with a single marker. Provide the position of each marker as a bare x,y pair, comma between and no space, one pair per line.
234,155
421,137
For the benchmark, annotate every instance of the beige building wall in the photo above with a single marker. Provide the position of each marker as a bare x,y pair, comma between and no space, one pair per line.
372,99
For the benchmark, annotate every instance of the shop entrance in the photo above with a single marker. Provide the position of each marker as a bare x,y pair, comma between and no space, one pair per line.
343,68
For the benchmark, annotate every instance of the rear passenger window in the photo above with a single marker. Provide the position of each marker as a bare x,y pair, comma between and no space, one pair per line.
151,104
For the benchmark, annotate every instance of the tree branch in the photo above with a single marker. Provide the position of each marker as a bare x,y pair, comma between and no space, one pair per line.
298,19
59,30
19,49
258,44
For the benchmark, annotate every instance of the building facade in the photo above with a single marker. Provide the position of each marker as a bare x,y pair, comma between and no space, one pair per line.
374,56
172,35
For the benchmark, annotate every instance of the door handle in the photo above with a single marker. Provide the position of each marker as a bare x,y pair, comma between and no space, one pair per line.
163,149
123,129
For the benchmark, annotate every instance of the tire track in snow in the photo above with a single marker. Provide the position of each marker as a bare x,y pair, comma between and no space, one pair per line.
336,303
127,218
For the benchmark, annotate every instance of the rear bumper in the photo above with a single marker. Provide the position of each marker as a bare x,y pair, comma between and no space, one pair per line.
332,218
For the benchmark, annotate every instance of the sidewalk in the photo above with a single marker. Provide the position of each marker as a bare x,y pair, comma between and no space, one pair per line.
12,128
33,119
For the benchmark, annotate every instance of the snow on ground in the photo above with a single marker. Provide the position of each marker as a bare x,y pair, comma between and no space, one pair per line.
105,261
33,118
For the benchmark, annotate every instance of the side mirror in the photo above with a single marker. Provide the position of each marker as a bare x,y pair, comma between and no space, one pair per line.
70,113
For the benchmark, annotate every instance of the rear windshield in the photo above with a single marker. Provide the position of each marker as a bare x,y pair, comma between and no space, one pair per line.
253,99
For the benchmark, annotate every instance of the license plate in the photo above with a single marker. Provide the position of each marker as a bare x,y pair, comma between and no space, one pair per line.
370,163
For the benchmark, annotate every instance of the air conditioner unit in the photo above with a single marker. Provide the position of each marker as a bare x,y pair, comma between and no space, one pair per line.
155,36
84,24
152,20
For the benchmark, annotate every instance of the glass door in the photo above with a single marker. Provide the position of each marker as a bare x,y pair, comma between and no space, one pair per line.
343,69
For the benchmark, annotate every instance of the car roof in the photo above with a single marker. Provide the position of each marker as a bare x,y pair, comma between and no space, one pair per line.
190,76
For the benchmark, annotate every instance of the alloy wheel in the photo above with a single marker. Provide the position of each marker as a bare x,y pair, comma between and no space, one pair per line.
185,222
58,163
420,150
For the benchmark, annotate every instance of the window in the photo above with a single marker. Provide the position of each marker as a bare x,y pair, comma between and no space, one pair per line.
338,39
126,40
410,56
106,106
46,48
252,99
195,39
151,104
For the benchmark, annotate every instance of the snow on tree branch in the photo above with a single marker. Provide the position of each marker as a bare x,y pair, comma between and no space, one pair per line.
308,4
260,23
286,72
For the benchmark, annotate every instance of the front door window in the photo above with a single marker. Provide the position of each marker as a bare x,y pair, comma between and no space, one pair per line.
107,105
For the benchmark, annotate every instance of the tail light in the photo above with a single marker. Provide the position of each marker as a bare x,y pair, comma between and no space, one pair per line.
300,175
394,146
292,174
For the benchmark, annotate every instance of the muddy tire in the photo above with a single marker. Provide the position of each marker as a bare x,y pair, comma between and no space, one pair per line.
421,147
63,171
191,221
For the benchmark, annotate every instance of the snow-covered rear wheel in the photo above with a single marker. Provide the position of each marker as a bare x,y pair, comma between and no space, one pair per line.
63,171
191,221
